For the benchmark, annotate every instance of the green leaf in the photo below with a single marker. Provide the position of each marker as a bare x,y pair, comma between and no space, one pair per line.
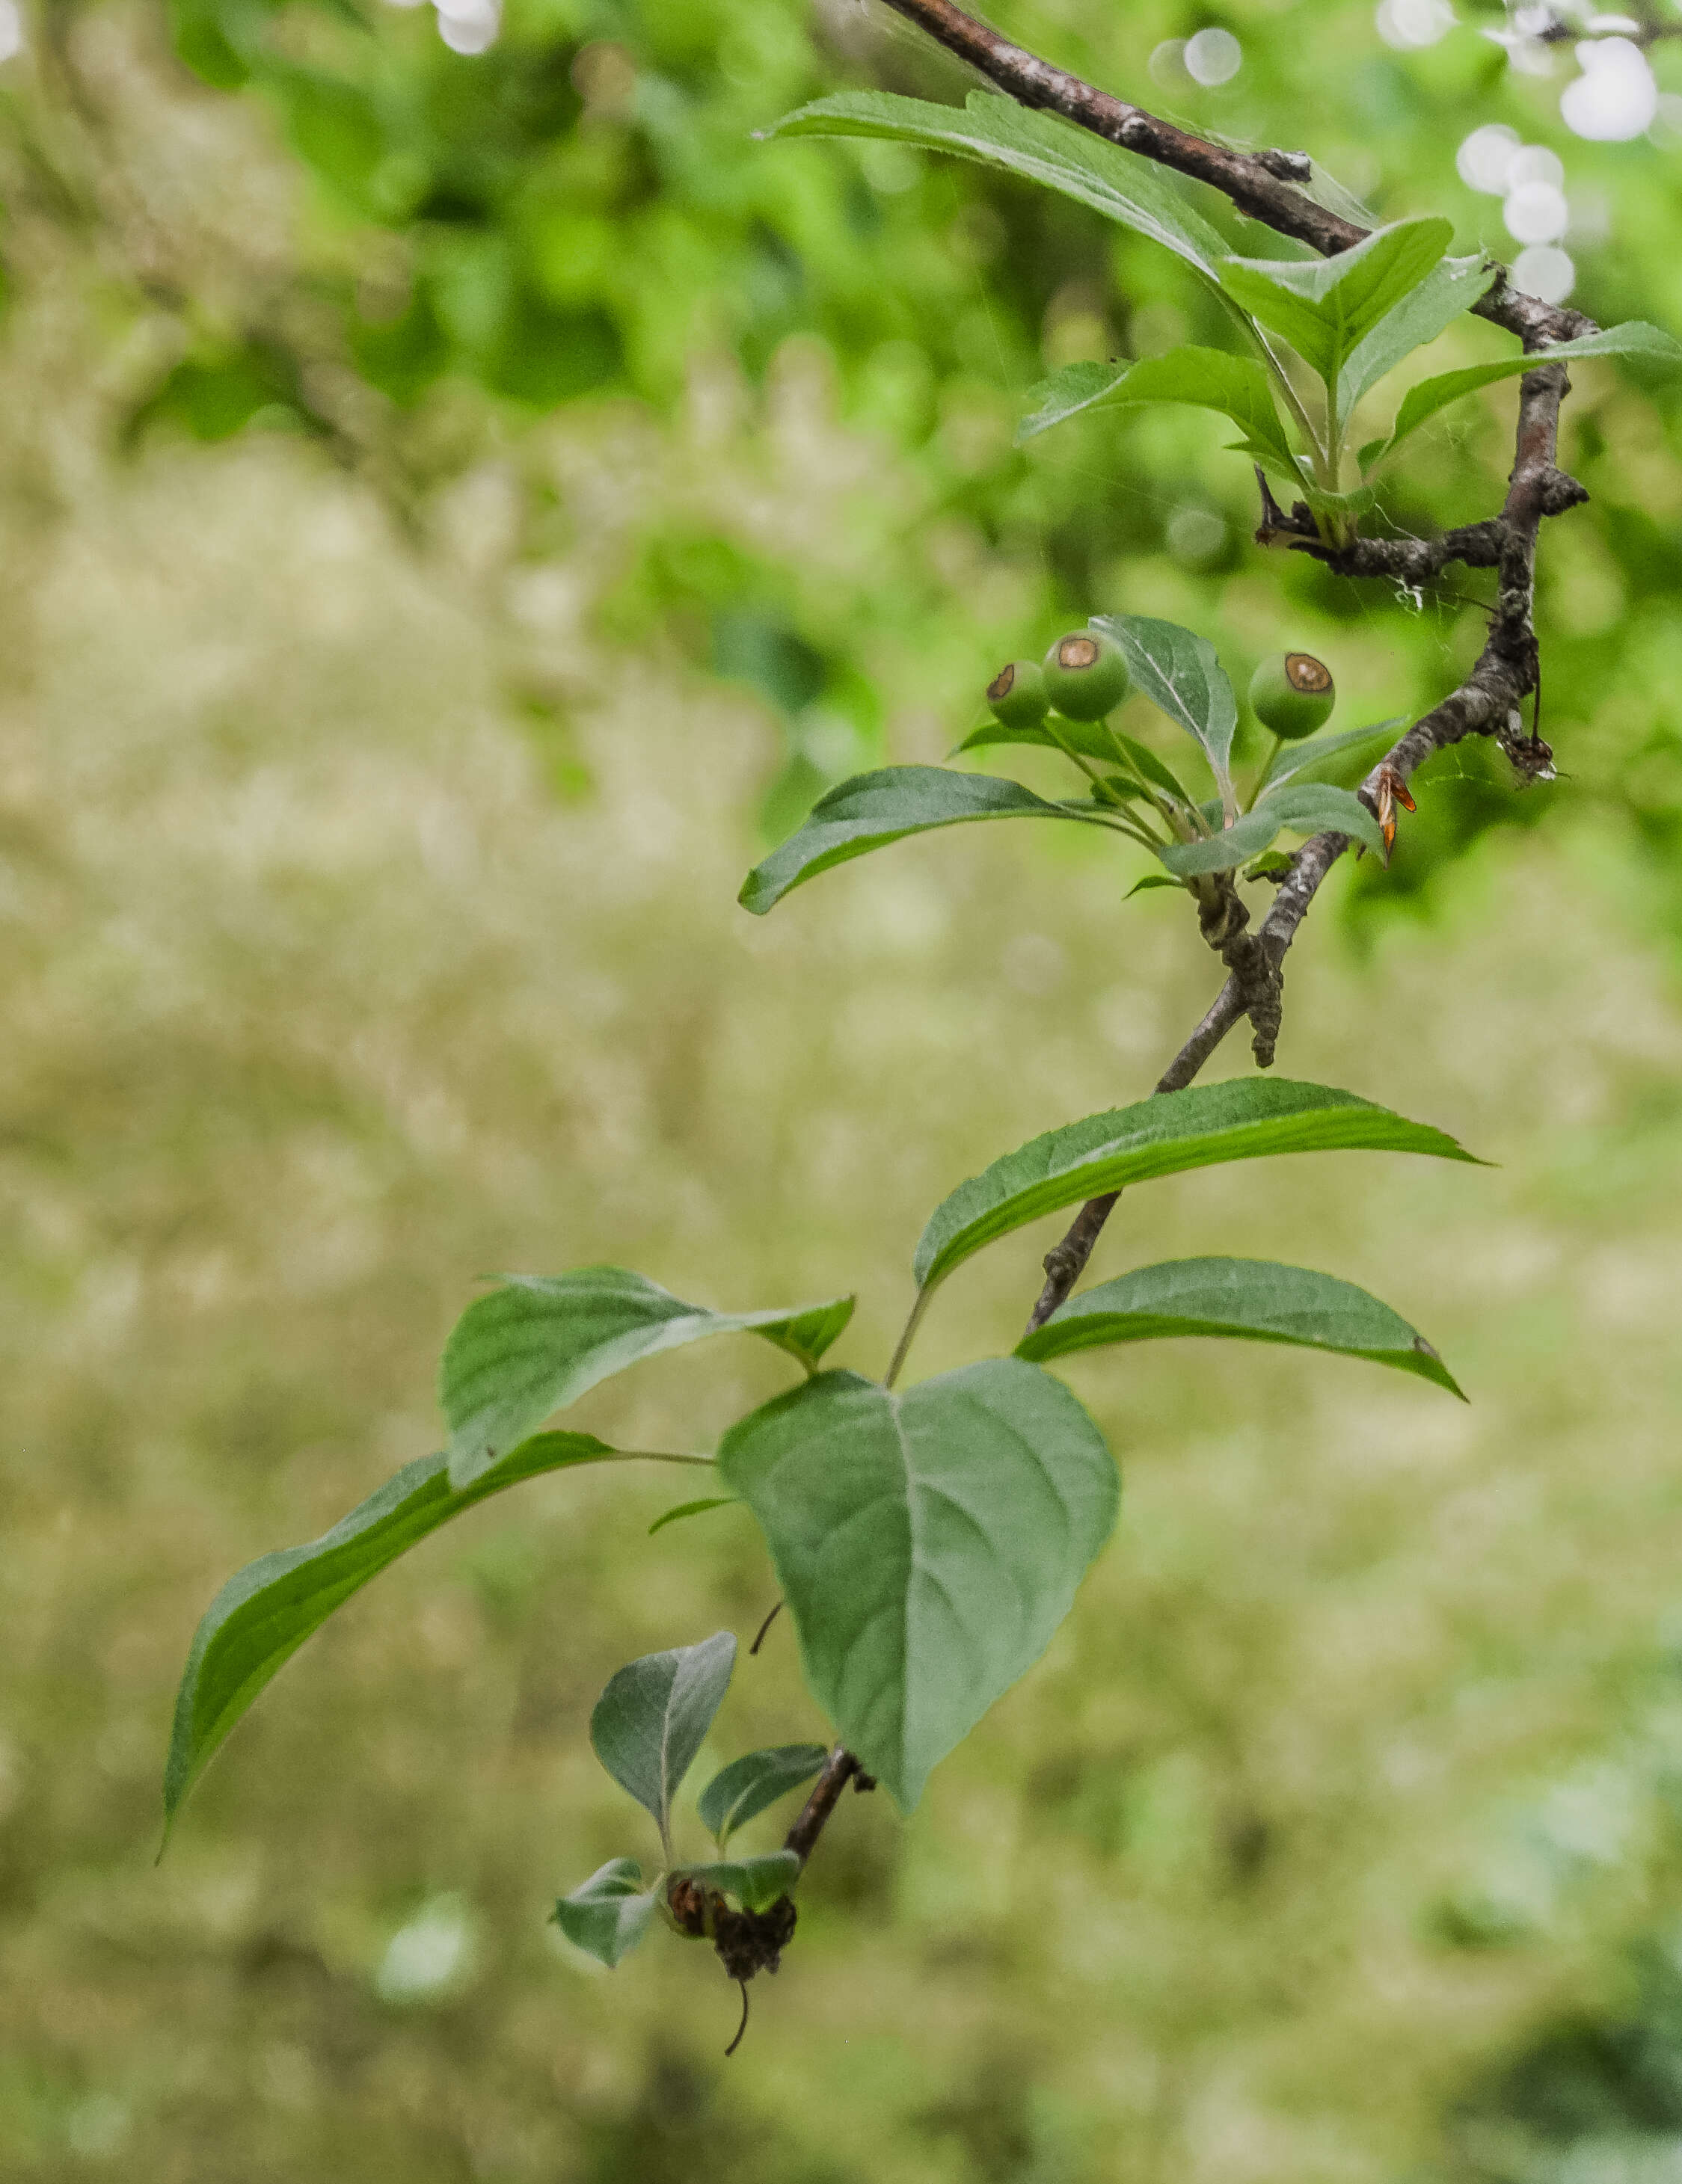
654,1716
1205,1124
1150,880
264,1612
755,1882
692,1509
1235,386
537,1345
608,1914
997,132
1291,759
1338,503
1252,1299
744,1789
1145,763
1308,807
1635,337
1124,786
1178,672
1449,288
928,1544
874,808
1090,737
1325,307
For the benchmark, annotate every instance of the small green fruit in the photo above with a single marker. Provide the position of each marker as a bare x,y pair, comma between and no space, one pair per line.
1085,676
1017,695
1293,693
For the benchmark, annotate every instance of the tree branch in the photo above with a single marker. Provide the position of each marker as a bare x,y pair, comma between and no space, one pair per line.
1263,185
1487,703
840,1769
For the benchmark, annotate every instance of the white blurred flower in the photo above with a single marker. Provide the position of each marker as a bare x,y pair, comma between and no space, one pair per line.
11,30
1404,23
1485,158
1535,163
1213,56
468,26
1547,271
1615,97
1536,212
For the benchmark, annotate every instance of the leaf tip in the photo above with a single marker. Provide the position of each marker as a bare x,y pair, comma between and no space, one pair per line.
1437,1370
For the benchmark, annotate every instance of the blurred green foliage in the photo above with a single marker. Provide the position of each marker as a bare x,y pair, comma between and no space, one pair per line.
581,213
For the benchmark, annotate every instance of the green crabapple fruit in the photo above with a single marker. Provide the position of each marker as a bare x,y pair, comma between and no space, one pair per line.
1293,693
1085,676
1017,695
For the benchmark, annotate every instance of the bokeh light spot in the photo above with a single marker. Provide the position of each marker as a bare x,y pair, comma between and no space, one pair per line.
1536,212
1547,271
1213,56
1615,97
1412,22
1486,157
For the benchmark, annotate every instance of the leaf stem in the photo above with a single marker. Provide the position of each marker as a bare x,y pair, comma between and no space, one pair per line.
1293,401
1080,759
907,1337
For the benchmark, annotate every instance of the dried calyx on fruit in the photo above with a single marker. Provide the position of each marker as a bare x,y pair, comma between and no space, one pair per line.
1085,676
1293,693
1017,695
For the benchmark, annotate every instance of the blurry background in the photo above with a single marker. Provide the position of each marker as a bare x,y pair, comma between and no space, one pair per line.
461,497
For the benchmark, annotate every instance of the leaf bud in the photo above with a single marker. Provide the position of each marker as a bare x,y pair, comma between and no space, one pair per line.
1085,675
1017,695
1293,693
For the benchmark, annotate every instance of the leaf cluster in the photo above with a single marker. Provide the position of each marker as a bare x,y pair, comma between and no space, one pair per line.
928,1542
1130,789
1347,321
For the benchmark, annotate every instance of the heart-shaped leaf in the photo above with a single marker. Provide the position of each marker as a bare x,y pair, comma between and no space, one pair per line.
1635,337
1178,672
997,132
264,1612
608,1914
928,1544
537,1345
744,1789
874,808
755,1882
1205,1124
1308,807
654,1716
1253,1299
1235,386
